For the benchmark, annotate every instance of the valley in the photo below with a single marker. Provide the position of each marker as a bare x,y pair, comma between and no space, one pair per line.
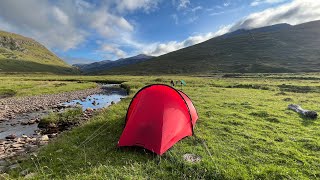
244,120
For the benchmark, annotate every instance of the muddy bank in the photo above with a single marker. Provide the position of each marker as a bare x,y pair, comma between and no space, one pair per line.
9,107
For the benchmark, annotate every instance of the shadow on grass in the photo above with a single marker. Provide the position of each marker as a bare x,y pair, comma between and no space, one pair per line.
86,148
22,66
306,121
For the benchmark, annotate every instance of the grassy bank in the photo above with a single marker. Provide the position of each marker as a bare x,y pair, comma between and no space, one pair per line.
18,86
244,122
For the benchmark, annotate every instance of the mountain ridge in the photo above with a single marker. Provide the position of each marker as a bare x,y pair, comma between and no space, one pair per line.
289,49
103,65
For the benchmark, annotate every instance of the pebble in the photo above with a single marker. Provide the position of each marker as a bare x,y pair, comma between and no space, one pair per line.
11,136
44,138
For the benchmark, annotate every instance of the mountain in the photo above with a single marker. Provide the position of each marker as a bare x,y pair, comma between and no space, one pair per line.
22,54
273,49
101,66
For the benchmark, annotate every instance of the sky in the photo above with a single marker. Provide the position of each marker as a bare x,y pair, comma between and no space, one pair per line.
85,31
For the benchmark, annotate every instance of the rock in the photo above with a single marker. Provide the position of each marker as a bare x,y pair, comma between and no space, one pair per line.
24,123
192,158
3,163
13,166
11,136
37,120
16,145
89,109
2,142
24,136
32,121
44,138
112,102
53,135
30,148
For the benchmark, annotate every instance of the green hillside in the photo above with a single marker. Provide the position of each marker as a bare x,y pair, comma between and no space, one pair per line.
292,49
22,54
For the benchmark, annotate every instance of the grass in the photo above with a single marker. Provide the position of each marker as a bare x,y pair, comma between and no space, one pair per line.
70,116
248,131
25,55
20,87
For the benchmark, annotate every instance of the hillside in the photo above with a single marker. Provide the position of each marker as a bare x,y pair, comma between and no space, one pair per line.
104,65
22,54
273,49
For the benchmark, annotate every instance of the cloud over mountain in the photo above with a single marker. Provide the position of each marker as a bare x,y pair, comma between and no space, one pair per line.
295,12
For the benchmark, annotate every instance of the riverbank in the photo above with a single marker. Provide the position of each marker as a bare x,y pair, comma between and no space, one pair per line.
10,107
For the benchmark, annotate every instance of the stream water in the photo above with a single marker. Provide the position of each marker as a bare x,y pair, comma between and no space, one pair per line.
111,93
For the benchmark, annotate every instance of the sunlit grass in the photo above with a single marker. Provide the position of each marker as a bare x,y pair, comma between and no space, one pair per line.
248,131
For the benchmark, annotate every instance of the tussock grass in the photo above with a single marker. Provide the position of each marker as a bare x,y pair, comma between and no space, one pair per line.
242,133
68,116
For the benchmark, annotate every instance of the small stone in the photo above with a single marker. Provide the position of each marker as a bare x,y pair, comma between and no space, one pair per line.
192,158
3,163
52,135
24,136
89,109
32,121
30,148
24,123
11,136
13,166
44,138
2,142
16,145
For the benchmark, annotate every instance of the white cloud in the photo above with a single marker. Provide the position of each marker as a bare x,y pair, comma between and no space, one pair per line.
131,5
109,25
196,8
65,25
226,4
157,49
182,4
295,12
259,2
114,49
60,15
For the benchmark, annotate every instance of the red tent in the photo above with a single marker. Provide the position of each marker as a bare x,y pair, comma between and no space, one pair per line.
157,118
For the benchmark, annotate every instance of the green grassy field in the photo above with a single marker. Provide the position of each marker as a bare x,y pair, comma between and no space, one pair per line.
9,86
243,121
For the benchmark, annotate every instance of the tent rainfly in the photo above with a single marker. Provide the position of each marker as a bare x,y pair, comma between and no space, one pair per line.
157,118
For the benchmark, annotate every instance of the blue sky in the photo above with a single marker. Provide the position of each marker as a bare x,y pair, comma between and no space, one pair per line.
83,31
